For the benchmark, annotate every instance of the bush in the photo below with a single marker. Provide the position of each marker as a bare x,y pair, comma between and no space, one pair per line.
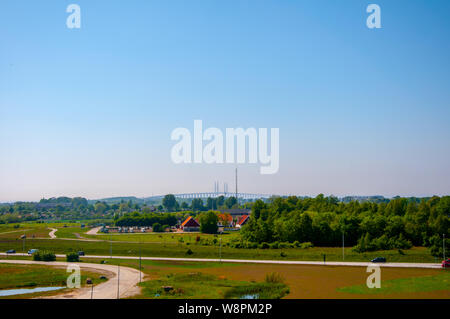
306,245
157,228
274,278
72,257
274,245
44,256
283,254
296,243
284,245
189,252
263,245
366,243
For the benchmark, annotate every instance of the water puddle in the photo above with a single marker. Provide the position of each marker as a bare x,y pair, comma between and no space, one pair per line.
12,292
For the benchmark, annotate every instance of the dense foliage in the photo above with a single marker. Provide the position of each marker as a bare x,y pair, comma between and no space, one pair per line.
400,223
149,219
208,222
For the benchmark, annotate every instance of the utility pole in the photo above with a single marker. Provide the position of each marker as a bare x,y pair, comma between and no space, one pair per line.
110,246
237,200
140,260
118,280
343,246
220,249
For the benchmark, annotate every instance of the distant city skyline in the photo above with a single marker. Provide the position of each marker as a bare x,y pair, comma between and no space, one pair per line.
89,112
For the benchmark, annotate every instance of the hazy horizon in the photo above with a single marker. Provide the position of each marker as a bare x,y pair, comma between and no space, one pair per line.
89,112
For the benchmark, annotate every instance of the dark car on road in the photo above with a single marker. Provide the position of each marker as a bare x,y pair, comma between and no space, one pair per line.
379,260
11,251
446,263
81,253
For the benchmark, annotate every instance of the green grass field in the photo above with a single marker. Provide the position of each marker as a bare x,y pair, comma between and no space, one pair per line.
177,245
415,284
417,254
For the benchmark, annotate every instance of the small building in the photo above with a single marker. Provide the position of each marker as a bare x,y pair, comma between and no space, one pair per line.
190,225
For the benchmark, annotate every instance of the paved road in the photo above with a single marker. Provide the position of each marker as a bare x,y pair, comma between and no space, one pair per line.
279,262
129,278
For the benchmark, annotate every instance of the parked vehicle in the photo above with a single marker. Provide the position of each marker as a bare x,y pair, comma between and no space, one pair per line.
32,251
379,260
11,251
446,263
81,253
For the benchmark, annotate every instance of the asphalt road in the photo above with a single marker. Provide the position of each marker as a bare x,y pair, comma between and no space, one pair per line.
280,262
127,287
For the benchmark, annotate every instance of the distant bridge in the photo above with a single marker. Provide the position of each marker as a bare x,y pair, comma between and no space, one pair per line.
215,195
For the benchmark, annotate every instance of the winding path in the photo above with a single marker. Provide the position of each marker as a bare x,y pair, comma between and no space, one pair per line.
52,233
129,278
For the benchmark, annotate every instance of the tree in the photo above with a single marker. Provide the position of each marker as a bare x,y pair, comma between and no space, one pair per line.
211,203
197,205
157,228
230,202
169,202
208,222
100,207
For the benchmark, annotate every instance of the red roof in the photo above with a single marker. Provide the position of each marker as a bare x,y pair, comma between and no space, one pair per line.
190,222
243,220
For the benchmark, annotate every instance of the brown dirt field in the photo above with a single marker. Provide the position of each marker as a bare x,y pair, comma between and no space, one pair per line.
304,281
317,282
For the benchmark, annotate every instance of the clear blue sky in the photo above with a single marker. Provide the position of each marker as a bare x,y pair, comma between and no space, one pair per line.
89,112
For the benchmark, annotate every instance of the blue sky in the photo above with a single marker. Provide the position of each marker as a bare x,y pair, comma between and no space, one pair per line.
89,112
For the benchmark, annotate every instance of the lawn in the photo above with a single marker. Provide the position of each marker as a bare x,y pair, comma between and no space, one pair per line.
167,238
417,254
438,282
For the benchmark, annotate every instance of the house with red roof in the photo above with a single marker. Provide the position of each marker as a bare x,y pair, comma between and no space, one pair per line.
190,225
242,221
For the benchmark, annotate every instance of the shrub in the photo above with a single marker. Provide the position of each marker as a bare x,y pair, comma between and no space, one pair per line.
283,254
72,257
306,245
263,245
274,245
284,245
44,256
274,278
296,243
189,252
157,228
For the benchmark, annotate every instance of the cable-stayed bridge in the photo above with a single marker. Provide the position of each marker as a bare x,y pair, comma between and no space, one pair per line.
215,195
